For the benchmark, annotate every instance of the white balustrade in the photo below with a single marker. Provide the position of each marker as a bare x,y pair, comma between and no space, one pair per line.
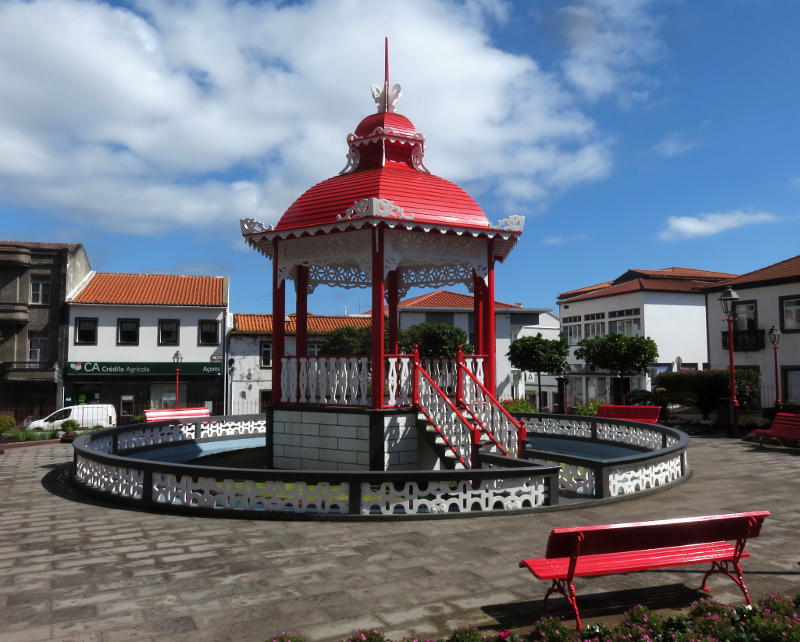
484,408
442,414
337,381
399,370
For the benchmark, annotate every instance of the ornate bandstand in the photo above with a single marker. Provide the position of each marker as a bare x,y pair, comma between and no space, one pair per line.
386,223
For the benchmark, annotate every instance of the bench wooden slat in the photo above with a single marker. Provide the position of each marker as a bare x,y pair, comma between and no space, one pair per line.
785,425
628,562
647,414
583,551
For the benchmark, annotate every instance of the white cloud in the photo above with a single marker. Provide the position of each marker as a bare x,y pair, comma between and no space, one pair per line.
561,240
689,227
191,113
673,145
608,41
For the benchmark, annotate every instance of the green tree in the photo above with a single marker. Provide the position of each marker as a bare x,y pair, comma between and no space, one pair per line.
347,340
620,354
434,340
539,355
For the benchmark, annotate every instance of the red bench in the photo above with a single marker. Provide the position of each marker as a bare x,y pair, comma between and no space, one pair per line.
164,414
648,414
584,551
785,425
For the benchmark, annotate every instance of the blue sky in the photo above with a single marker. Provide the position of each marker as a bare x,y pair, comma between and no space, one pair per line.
630,133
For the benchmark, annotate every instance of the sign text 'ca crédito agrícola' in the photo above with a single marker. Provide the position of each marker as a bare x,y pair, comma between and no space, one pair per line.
145,369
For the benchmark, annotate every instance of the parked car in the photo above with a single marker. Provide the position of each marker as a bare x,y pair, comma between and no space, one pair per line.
87,415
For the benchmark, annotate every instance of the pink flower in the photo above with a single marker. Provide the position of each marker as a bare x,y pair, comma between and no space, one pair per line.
505,634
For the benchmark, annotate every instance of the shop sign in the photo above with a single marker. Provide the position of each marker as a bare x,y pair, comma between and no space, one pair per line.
128,369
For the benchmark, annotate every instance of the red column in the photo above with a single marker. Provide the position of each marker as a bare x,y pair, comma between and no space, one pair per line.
477,312
378,366
301,308
488,324
278,324
393,297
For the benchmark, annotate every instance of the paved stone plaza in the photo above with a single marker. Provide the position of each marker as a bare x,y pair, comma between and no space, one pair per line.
75,569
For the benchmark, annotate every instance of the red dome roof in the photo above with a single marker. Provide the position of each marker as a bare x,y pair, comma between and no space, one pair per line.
428,198
385,162
398,123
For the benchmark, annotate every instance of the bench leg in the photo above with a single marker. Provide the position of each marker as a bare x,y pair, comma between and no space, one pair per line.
567,589
733,570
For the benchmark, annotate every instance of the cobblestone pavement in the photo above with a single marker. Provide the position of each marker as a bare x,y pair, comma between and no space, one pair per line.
72,568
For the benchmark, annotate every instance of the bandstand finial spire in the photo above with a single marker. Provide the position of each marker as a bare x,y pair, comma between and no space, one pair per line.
387,96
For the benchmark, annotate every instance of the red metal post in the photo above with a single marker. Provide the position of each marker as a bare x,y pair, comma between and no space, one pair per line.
378,366
488,324
177,387
734,400
459,376
393,297
278,324
477,311
301,308
415,377
777,379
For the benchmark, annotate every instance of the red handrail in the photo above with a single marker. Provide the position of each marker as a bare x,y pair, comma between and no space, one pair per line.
475,441
522,432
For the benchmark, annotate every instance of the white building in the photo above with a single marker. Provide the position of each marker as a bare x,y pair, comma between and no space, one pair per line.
250,354
130,333
668,305
767,297
511,322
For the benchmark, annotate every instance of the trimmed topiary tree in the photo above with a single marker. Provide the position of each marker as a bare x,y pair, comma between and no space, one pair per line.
434,340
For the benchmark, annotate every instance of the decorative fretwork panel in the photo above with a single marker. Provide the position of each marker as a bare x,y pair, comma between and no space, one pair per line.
115,480
248,495
461,496
574,478
336,381
398,380
559,427
631,435
627,480
231,428
156,434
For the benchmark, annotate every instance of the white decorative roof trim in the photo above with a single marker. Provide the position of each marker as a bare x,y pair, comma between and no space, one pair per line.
386,97
251,225
515,223
373,207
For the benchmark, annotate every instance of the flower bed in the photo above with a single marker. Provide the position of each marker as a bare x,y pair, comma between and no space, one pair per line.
775,617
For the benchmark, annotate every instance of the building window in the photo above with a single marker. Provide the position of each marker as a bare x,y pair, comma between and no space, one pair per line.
626,327
576,319
40,289
264,400
790,313
746,315
85,331
594,317
313,349
38,347
168,332
127,332
573,333
594,329
208,333
445,318
266,354
629,312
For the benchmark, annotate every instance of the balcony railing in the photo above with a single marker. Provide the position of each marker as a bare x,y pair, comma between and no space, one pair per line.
745,340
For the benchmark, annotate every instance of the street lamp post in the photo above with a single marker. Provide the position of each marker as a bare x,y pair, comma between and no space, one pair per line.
177,358
728,300
775,339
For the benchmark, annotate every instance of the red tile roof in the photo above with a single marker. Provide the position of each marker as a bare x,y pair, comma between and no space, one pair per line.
673,279
447,299
35,245
153,289
787,270
317,323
